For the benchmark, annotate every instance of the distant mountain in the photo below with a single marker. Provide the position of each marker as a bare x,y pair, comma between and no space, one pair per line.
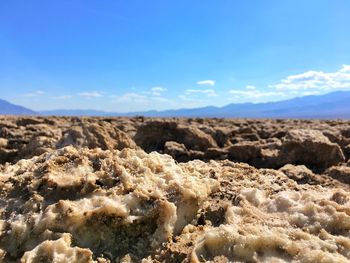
64,112
7,108
328,106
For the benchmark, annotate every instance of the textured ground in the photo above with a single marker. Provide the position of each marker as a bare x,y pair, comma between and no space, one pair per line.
174,190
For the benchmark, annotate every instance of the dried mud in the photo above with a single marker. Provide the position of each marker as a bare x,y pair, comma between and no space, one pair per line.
174,190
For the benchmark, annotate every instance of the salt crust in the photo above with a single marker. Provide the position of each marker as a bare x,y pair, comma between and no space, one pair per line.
93,205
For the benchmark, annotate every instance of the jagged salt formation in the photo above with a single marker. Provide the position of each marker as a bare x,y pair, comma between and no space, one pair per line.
81,205
112,203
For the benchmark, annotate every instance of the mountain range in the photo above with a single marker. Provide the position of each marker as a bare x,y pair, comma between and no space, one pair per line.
328,106
7,108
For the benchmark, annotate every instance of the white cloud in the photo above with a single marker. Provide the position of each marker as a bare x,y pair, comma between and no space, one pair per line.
207,92
141,98
157,91
63,97
310,92
316,80
131,97
254,94
93,94
250,87
208,82
138,98
35,93
345,68
162,99
304,84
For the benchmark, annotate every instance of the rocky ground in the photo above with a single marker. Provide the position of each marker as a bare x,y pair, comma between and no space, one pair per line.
174,190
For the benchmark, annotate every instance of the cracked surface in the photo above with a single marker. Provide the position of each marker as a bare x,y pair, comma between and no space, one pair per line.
84,190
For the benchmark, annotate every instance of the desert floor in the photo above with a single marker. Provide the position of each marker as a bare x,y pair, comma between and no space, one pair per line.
84,189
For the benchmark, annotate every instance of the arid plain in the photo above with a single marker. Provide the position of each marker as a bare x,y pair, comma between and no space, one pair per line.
81,189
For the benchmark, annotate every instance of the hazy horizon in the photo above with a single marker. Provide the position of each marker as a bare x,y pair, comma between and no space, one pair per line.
138,56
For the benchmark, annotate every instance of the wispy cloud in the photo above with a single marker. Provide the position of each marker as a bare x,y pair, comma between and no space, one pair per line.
188,98
35,93
63,97
250,87
92,94
162,99
153,96
140,98
131,97
157,91
208,82
254,94
304,84
316,80
310,92
207,92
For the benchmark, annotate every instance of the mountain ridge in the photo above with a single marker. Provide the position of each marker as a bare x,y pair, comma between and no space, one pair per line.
331,105
7,108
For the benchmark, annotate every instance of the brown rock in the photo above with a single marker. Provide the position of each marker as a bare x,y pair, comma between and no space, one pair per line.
299,173
340,173
347,151
154,134
244,152
96,136
302,175
222,135
177,151
216,154
7,155
3,143
37,146
346,132
24,121
311,148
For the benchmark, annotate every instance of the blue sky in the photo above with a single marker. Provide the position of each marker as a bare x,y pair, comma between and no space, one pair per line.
140,55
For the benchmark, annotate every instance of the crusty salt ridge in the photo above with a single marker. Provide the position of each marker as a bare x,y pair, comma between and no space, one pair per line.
317,144
119,206
59,251
112,202
293,227
263,216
